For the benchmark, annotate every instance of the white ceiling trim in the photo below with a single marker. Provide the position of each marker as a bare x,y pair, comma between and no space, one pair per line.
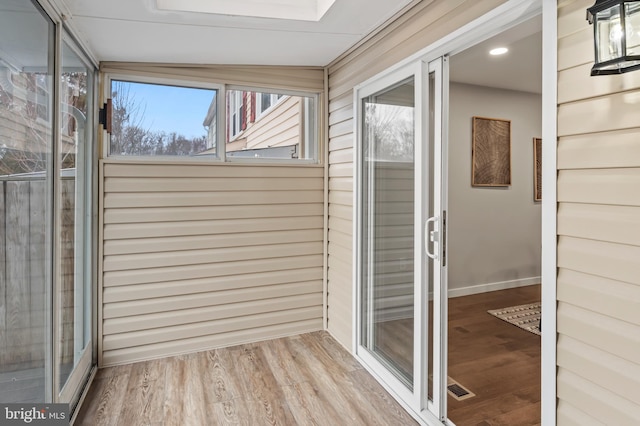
301,10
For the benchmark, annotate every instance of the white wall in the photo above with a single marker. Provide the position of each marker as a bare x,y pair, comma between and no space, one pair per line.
494,233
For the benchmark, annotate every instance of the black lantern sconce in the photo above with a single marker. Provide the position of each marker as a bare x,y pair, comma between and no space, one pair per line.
616,32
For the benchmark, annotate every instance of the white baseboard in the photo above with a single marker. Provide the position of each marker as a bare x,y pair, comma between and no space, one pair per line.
404,311
484,288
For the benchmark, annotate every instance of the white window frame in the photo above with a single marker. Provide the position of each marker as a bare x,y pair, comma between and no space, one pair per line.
312,131
189,84
274,99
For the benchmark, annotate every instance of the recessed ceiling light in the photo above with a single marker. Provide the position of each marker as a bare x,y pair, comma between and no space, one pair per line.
498,51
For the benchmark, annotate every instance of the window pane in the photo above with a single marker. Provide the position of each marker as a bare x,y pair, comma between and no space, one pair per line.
155,119
268,125
26,179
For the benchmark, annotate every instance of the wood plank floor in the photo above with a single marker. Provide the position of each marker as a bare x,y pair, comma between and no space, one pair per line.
497,361
303,380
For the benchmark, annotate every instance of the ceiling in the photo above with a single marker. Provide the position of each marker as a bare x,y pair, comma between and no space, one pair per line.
136,30
519,69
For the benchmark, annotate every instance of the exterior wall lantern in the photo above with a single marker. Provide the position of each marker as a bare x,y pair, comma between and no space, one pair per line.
616,32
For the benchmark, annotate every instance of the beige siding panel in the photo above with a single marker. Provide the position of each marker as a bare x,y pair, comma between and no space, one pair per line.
255,333
344,198
613,112
341,128
341,142
576,49
616,224
576,83
604,186
181,242
599,244
615,299
144,185
571,17
176,273
341,156
341,184
196,199
615,261
174,214
341,225
600,150
342,114
341,212
341,170
164,304
600,404
223,226
203,328
568,415
277,77
198,256
600,331
195,315
616,375
212,284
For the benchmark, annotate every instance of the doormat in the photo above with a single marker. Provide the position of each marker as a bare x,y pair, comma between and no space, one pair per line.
527,317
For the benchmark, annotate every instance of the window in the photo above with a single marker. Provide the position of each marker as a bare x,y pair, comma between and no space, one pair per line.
271,125
166,118
265,101
162,120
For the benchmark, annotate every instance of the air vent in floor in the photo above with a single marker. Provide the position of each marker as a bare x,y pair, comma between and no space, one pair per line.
457,391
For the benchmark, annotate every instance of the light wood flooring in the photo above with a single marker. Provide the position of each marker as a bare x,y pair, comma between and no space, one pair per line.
303,380
311,379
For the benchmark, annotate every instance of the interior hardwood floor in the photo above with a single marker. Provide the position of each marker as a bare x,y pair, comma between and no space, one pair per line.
302,380
497,361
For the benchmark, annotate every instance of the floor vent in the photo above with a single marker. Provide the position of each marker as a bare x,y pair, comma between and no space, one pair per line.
457,391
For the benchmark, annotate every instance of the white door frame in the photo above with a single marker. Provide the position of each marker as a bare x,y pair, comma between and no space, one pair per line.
497,20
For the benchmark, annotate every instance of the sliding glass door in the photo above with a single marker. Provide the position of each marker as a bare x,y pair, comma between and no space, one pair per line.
399,233
46,139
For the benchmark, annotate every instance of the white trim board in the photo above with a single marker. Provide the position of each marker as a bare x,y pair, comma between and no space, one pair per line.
485,288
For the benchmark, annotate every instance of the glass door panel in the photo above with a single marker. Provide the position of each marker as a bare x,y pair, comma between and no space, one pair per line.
388,227
74,320
26,130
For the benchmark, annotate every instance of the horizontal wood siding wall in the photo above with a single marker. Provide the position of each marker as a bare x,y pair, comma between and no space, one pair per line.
599,233
422,25
198,256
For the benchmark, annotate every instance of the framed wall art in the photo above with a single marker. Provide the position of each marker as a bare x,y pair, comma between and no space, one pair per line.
491,152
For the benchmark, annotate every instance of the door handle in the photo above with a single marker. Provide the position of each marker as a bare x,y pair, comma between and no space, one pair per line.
430,236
